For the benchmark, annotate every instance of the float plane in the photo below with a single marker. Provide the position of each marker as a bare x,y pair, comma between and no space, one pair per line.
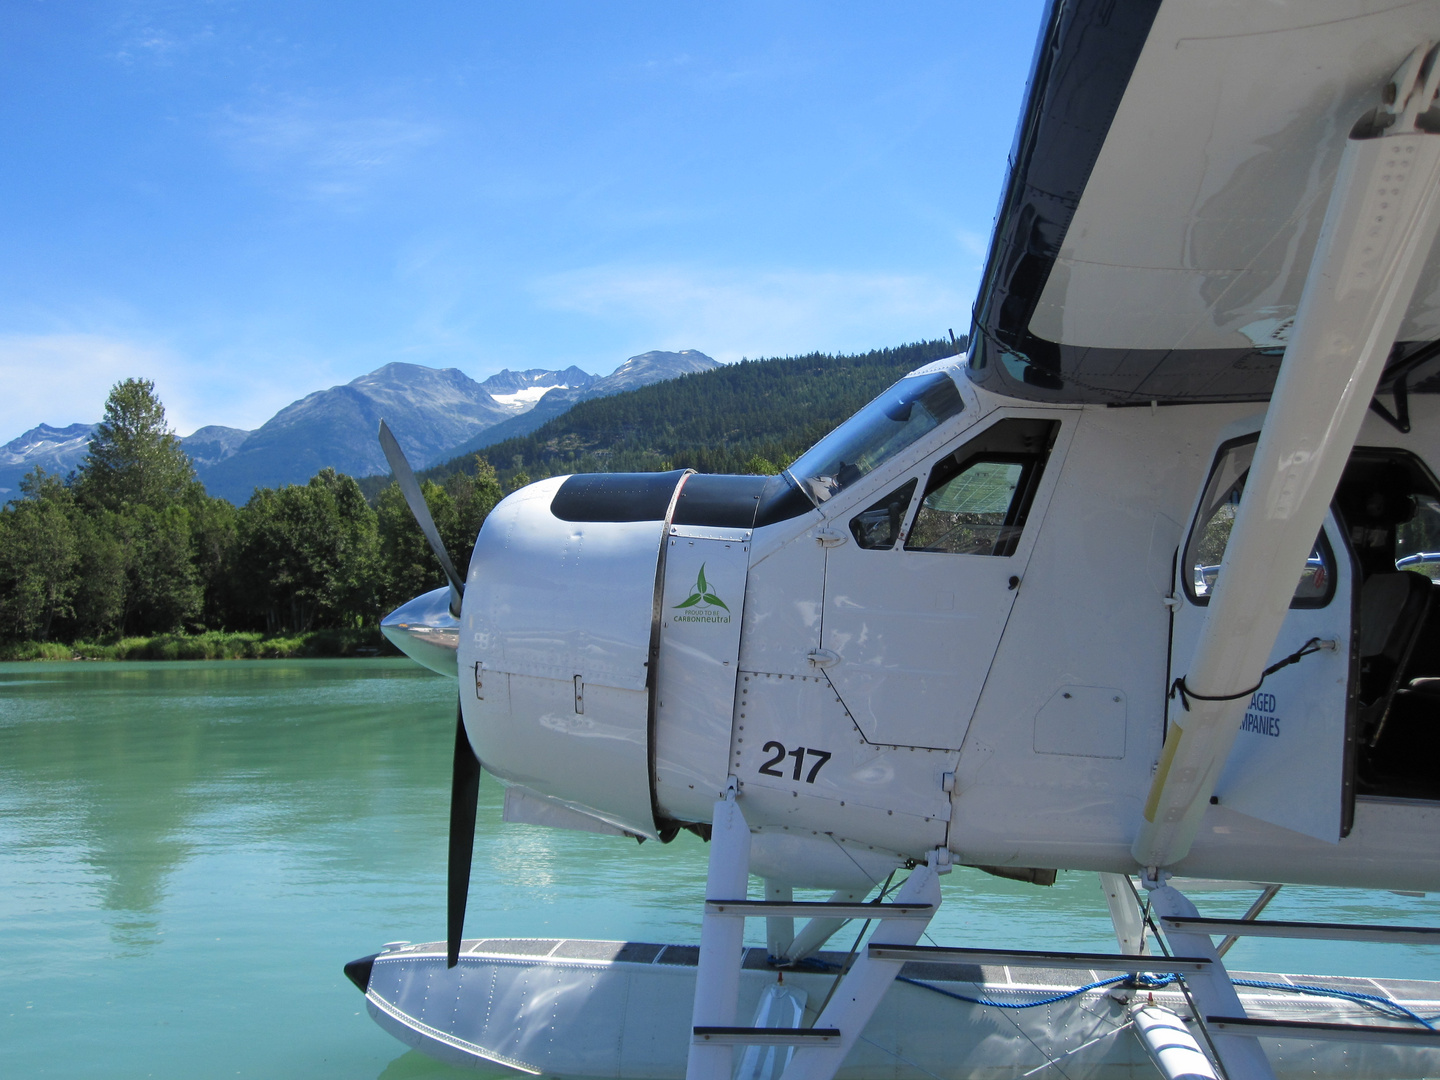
1142,584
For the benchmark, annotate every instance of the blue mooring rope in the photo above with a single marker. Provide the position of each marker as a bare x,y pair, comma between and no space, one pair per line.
1158,981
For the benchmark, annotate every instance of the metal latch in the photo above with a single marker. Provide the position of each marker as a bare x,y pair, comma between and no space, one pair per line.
829,538
823,658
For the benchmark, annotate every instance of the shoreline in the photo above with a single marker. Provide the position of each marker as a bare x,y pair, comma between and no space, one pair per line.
365,643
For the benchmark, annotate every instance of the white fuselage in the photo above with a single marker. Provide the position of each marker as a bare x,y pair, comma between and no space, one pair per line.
875,702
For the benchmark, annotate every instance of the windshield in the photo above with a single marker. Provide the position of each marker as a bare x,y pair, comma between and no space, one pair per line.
914,405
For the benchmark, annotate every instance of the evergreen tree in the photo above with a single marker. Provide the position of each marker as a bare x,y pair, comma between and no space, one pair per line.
307,554
135,458
214,543
99,602
39,558
162,590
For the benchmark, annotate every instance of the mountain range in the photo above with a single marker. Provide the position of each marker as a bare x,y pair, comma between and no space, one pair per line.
436,414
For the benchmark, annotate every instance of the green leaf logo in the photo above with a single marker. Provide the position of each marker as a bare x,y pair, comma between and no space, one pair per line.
703,594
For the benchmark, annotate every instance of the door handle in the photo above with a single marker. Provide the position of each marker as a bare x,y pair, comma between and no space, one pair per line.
823,658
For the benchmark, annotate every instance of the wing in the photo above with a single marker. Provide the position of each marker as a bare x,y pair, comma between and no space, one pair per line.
1167,185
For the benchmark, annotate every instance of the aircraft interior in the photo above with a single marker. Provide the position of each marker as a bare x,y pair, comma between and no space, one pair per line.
1390,505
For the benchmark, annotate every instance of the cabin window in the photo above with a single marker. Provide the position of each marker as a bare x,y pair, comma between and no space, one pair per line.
878,525
1208,540
1417,541
913,406
977,498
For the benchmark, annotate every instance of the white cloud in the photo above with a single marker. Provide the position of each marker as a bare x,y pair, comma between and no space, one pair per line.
734,314
144,42
64,378
322,152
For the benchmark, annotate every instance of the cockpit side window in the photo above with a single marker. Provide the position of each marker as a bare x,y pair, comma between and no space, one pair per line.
877,527
978,497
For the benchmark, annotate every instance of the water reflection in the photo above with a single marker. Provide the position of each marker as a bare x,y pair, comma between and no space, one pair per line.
189,852
131,771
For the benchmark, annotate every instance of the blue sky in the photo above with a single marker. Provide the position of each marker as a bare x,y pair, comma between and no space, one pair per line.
249,202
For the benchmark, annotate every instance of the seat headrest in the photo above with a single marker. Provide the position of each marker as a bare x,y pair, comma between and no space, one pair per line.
1382,602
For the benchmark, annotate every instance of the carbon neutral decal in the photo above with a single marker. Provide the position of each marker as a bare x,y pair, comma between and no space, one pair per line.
703,605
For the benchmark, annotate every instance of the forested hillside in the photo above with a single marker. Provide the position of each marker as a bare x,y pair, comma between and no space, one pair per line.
754,416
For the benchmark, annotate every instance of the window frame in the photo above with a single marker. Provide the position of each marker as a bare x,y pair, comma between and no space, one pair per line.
913,483
1033,471
1184,570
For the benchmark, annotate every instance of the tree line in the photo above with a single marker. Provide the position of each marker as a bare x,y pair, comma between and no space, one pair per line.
131,545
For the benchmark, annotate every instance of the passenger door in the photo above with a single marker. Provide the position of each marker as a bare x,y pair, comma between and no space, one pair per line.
918,592
1288,765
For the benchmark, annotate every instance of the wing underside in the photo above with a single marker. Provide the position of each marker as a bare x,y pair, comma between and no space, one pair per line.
1169,178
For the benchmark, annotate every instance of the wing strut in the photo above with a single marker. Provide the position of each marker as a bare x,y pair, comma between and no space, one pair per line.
1378,231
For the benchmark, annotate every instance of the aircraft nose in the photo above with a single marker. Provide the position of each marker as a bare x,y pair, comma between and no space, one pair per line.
562,634
555,638
424,630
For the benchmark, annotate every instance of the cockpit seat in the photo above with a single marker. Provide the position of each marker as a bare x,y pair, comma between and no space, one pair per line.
1393,607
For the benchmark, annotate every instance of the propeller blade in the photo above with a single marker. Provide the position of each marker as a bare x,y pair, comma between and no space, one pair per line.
410,488
464,794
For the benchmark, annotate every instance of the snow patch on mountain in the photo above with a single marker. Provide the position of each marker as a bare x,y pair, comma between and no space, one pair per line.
522,401
56,450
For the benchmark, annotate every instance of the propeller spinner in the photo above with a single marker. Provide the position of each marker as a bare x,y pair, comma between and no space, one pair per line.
465,770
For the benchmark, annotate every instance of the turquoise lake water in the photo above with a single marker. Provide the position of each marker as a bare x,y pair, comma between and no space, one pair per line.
190,852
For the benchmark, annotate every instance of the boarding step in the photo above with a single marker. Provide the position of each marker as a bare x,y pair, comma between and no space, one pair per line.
816,908
1028,958
1399,935
766,1036
1308,1029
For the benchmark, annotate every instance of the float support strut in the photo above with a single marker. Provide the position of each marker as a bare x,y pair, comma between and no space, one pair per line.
815,933
1241,1056
779,929
862,988
722,940
1125,914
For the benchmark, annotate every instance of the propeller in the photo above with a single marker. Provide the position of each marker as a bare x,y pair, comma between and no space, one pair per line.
465,770
464,794
410,488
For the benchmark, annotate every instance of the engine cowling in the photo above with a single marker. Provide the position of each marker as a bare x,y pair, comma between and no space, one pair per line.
599,639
